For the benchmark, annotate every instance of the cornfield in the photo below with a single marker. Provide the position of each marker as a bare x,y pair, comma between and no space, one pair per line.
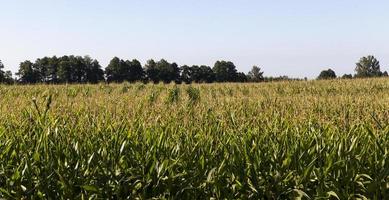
286,140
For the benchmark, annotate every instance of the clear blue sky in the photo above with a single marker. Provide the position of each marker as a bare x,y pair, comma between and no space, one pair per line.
295,38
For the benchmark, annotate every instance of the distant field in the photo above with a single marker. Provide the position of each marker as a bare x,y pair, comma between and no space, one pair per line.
282,140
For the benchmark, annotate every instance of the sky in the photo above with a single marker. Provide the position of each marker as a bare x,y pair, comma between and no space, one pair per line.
295,38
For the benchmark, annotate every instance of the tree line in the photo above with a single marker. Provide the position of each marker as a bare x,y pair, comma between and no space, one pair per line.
77,69
366,67
5,76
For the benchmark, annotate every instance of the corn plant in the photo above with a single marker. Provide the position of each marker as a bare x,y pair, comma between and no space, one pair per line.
284,140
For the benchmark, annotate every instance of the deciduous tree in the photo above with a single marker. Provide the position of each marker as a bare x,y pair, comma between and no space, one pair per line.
225,71
368,67
255,74
327,74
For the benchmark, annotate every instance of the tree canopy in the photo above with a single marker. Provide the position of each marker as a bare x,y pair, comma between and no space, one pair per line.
255,74
77,69
347,76
66,69
5,76
368,67
225,71
327,74
162,71
197,74
119,70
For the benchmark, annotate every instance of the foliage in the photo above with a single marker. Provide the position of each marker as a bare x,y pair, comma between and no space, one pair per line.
241,77
281,79
167,72
193,94
162,71
368,67
255,74
196,74
225,71
152,72
119,70
173,95
347,76
26,73
285,140
66,69
77,69
327,74
5,76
